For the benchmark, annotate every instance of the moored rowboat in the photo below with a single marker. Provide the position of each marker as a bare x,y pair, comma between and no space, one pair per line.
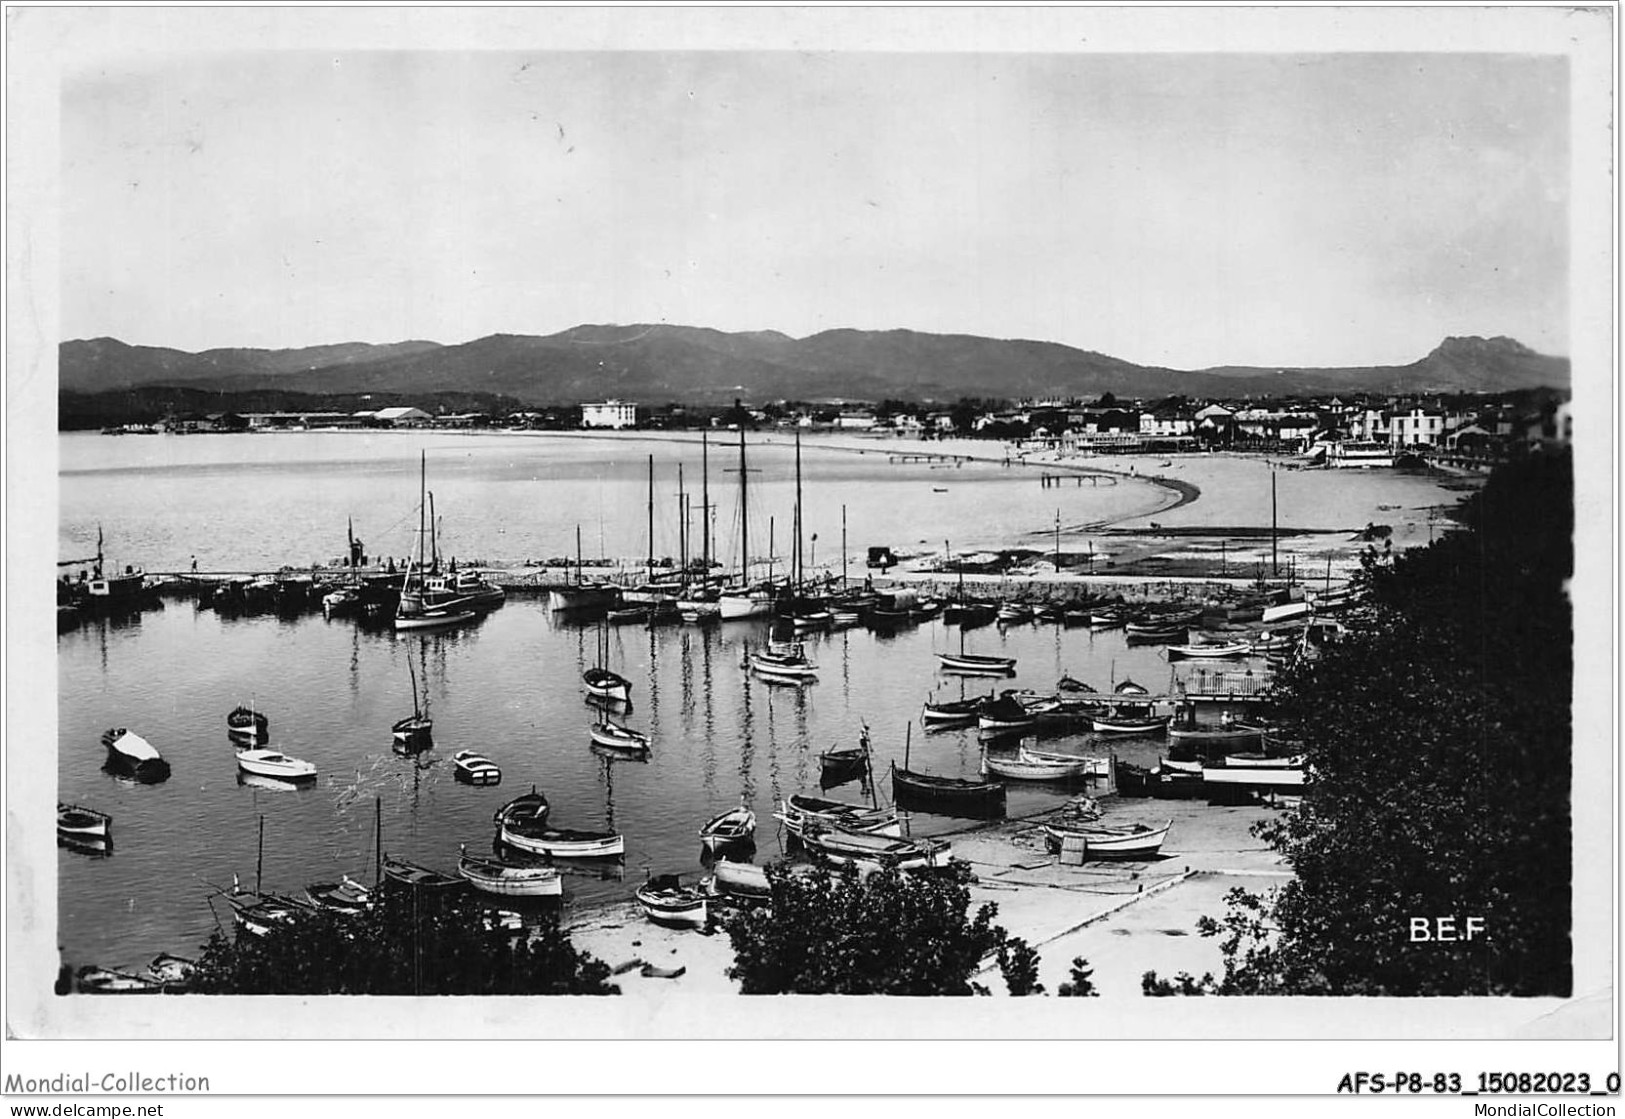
475,769
77,822
563,843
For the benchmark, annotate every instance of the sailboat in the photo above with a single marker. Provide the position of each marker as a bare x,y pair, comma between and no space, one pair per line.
975,664
745,600
600,680
805,611
580,594
699,601
660,594
412,734
424,606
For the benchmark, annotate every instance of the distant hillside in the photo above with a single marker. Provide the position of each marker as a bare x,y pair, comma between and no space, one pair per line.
654,363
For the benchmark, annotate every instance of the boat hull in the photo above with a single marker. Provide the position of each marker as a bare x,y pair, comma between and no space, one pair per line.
432,619
1111,843
967,665
511,881
564,844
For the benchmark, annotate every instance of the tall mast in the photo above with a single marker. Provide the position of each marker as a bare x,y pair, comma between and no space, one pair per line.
682,526
705,502
744,516
651,518
843,549
1275,566
795,555
434,543
578,555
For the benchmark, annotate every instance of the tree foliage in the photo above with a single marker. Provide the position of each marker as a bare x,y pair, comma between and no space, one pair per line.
890,933
431,947
1438,734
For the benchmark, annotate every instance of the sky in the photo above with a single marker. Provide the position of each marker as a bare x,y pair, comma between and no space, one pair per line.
1187,210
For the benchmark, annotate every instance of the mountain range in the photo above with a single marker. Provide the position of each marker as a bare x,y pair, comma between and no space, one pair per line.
655,363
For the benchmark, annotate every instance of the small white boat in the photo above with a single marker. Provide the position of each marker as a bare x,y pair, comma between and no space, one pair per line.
562,843
737,825
274,763
1122,724
1210,650
791,665
1135,841
1245,776
94,980
974,664
1029,765
498,876
130,755
616,737
76,822
742,879
666,901
475,769
432,619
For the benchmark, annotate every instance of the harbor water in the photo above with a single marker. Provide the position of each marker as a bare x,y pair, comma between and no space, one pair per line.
509,684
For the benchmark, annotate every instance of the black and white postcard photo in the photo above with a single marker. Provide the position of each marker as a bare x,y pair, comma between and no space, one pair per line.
583,530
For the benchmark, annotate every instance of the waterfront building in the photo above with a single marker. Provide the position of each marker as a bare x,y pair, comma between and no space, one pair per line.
401,417
610,413
860,421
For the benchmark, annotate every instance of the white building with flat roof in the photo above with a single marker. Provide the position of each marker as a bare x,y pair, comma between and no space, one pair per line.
611,413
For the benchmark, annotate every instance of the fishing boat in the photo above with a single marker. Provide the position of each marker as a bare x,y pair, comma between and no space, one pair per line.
418,877
1188,734
872,852
1256,772
741,879
561,843
1074,686
841,764
248,724
1114,723
1126,686
792,665
275,764
258,914
420,606
341,600
1210,650
508,879
1093,766
579,593
955,711
344,896
172,973
1006,715
953,795
1107,617
607,684
93,980
1014,613
1132,841
800,811
975,664
1031,766
74,821
473,768
130,755
414,734
613,736
600,680
665,900
525,811
737,825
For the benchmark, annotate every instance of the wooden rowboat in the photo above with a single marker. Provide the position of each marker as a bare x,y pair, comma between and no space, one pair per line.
737,825
506,879
665,900
1136,841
